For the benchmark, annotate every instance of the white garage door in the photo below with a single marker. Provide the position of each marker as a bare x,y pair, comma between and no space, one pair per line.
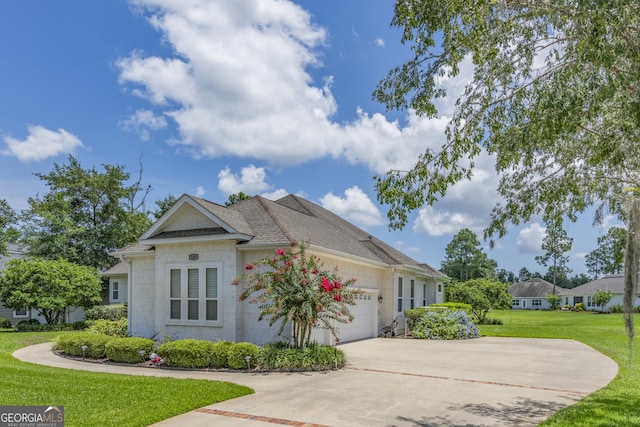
365,319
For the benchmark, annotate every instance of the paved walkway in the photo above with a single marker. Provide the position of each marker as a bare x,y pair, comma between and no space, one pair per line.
397,382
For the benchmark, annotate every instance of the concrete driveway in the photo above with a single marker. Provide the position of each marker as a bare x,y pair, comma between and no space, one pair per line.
402,382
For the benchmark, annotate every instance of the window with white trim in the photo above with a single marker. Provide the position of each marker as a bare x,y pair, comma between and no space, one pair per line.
412,294
115,291
424,294
515,302
193,294
590,301
21,312
400,294
536,303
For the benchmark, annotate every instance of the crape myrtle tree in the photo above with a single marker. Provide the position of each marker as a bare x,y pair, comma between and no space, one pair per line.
293,288
85,214
554,99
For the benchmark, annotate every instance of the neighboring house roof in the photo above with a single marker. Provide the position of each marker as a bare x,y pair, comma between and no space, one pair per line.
533,288
258,222
118,269
614,283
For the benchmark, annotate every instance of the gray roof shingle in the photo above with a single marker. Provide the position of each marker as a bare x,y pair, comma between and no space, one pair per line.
534,288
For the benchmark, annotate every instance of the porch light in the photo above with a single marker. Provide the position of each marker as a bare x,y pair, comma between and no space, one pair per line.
380,298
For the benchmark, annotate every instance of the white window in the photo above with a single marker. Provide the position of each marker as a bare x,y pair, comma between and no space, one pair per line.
590,301
412,294
193,294
21,312
536,303
115,291
515,303
424,294
400,294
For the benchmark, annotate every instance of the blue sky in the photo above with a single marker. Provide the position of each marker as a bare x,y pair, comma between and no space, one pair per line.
265,97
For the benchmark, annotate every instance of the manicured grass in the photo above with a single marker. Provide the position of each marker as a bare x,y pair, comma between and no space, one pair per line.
94,399
618,404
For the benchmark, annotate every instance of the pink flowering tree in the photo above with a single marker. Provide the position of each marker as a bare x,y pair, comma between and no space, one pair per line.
293,287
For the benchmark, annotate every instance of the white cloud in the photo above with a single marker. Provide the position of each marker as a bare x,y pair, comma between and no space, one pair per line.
275,195
379,42
41,143
142,121
250,181
530,238
356,207
239,85
200,191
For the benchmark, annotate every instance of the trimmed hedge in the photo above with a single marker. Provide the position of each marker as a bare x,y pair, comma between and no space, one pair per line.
454,306
219,353
127,350
72,344
236,356
189,353
114,328
314,357
107,312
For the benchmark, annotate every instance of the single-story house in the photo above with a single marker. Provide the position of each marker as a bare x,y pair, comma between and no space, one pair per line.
584,293
180,273
532,294
118,283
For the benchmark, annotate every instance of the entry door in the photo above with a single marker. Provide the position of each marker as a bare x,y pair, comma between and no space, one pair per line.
524,303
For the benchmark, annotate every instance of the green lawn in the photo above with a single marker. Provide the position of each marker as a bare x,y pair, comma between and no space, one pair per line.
93,399
618,404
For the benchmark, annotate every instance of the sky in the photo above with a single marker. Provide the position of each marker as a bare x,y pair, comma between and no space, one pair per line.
214,97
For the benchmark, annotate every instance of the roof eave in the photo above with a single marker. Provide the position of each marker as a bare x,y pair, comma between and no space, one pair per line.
191,239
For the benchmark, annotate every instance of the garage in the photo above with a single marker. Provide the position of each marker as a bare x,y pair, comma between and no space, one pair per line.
365,321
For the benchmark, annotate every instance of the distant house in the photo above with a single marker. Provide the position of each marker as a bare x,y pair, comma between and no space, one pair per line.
118,283
584,293
15,251
532,294
179,276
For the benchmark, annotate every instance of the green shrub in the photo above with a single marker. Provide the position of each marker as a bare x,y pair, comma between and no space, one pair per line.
454,306
238,352
578,307
114,328
284,357
28,322
617,308
188,353
72,344
488,321
39,327
107,312
411,315
127,350
5,323
219,353
80,325
445,325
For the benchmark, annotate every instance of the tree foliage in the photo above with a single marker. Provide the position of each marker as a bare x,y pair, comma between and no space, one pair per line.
608,256
554,98
7,218
235,198
85,214
49,286
602,297
163,205
464,258
481,294
555,245
292,288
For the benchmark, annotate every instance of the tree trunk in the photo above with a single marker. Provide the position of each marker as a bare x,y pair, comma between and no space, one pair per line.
631,271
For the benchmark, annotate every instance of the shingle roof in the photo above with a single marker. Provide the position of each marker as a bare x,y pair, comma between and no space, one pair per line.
534,288
119,268
614,283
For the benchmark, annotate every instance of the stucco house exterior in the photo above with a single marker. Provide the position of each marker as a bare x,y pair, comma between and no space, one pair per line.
531,294
584,293
180,273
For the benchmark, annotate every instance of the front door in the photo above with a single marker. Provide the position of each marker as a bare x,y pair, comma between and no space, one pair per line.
524,303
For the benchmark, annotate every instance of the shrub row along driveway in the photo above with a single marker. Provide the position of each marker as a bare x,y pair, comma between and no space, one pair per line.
398,382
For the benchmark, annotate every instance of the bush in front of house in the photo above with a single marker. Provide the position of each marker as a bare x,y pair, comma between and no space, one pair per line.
445,325
454,306
219,353
127,350
5,323
72,343
578,307
282,356
114,328
189,353
107,312
236,356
